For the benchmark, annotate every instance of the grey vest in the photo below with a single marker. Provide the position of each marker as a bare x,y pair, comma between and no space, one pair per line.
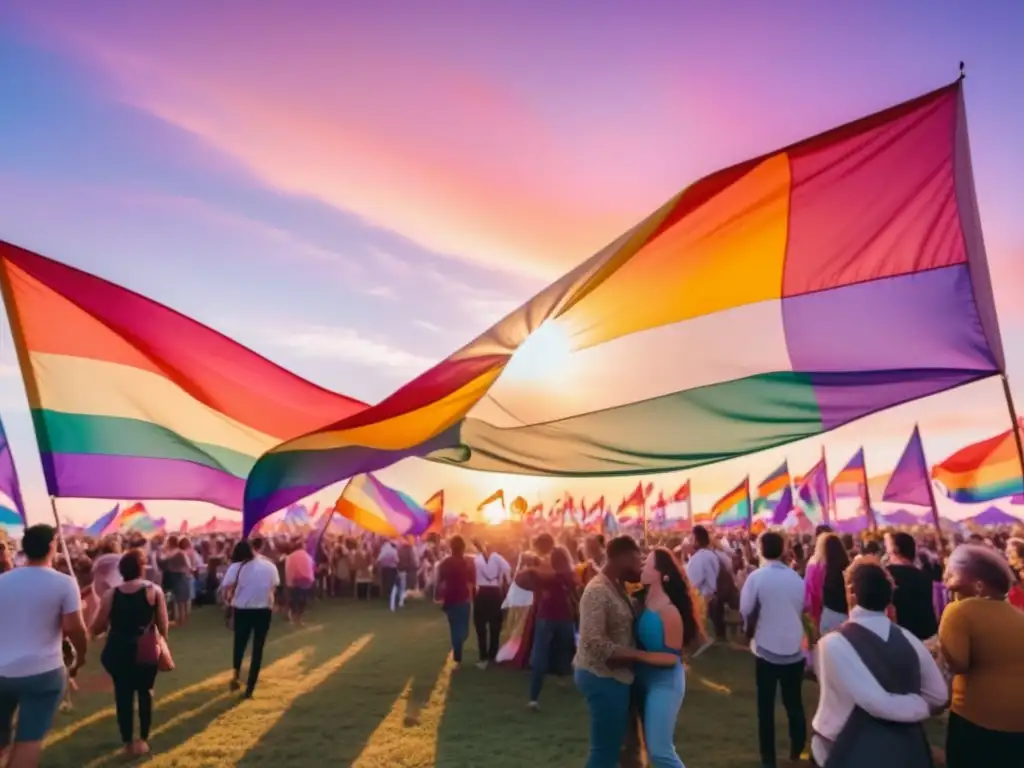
866,740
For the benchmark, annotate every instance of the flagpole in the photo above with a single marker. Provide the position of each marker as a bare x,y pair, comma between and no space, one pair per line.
750,508
60,536
829,509
643,511
1015,423
867,490
931,488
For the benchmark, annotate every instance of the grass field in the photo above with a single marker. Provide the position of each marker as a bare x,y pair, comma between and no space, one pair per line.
359,686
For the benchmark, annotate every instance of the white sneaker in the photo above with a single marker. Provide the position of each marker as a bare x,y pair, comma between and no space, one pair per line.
533,706
482,665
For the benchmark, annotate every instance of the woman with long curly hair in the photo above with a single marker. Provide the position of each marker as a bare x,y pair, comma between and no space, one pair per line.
667,625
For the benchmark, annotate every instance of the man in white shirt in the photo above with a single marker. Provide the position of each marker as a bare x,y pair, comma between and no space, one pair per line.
252,583
38,608
772,604
493,575
848,684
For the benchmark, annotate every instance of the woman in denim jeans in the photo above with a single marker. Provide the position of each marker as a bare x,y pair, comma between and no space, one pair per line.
554,586
455,579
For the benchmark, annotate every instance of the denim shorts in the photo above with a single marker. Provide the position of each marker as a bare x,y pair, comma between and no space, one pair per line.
36,699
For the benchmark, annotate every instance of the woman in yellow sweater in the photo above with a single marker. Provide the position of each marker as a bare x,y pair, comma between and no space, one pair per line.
982,640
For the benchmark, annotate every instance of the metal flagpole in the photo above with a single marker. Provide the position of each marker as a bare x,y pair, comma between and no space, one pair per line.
870,512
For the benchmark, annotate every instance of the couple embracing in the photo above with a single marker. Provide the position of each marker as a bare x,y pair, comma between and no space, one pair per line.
629,659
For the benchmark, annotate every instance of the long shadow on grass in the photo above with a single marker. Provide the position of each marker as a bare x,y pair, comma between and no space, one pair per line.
336,720
202,653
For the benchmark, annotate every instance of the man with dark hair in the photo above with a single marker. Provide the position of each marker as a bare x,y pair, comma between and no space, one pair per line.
39,607
913,597
772,606
607,648
704,570
873,674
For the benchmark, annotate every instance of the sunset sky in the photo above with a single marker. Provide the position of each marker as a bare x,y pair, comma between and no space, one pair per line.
355,190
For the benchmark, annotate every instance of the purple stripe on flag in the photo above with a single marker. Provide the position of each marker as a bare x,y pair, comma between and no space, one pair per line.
92,476
9,475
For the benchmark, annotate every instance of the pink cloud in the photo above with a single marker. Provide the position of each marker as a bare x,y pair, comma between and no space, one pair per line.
457,161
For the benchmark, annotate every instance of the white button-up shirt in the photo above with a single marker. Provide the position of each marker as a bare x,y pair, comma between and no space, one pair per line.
492,571
845,683
779,590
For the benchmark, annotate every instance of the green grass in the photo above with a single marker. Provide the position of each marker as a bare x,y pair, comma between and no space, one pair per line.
362,687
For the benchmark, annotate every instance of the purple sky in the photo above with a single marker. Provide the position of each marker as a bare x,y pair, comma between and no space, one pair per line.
356,192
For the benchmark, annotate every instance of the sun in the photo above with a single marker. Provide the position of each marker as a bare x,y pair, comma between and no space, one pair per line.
542,356
494,513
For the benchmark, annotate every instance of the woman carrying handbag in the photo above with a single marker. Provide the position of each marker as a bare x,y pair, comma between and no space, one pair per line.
134,618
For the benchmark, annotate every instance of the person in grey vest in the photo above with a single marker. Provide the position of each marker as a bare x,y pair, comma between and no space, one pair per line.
878,683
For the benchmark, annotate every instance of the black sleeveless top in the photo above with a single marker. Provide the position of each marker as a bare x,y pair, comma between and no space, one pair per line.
130,614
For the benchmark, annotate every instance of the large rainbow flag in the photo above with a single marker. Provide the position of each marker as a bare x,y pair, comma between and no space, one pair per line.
984,471
133,400
846,271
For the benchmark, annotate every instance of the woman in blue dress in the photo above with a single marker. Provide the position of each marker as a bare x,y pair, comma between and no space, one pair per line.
667,625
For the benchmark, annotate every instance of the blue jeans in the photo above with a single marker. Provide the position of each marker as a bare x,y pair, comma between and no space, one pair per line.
35,698
662,691
458,624
552,641
608,704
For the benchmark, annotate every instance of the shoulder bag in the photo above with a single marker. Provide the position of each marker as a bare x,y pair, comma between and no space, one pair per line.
229,597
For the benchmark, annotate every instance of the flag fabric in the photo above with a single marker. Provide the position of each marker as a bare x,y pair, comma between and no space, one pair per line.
376,508
770,492
983,471
98,526
812,493
680,505
733,509
124,518
850,265
131,399
11,502
316,535
850,492
497,496
631,510
435,508
910,481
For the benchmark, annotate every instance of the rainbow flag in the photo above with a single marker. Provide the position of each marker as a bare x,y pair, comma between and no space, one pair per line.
125,518
132,400
733,509
851,495
375,507
983,471
773,492
812,493
101,523
435,508
12,506
632,509
850,265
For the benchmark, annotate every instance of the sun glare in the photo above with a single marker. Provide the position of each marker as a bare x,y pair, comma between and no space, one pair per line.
494,513
542,355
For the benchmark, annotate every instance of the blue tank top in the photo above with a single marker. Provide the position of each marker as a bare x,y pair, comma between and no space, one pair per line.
650,635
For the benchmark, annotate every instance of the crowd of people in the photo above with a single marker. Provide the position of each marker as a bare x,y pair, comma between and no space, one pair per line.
870,617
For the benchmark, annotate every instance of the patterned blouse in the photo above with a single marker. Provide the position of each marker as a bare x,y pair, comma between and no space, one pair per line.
606,623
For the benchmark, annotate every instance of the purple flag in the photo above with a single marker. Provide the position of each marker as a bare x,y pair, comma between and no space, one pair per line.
9,485
909,482
813,492
783,506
